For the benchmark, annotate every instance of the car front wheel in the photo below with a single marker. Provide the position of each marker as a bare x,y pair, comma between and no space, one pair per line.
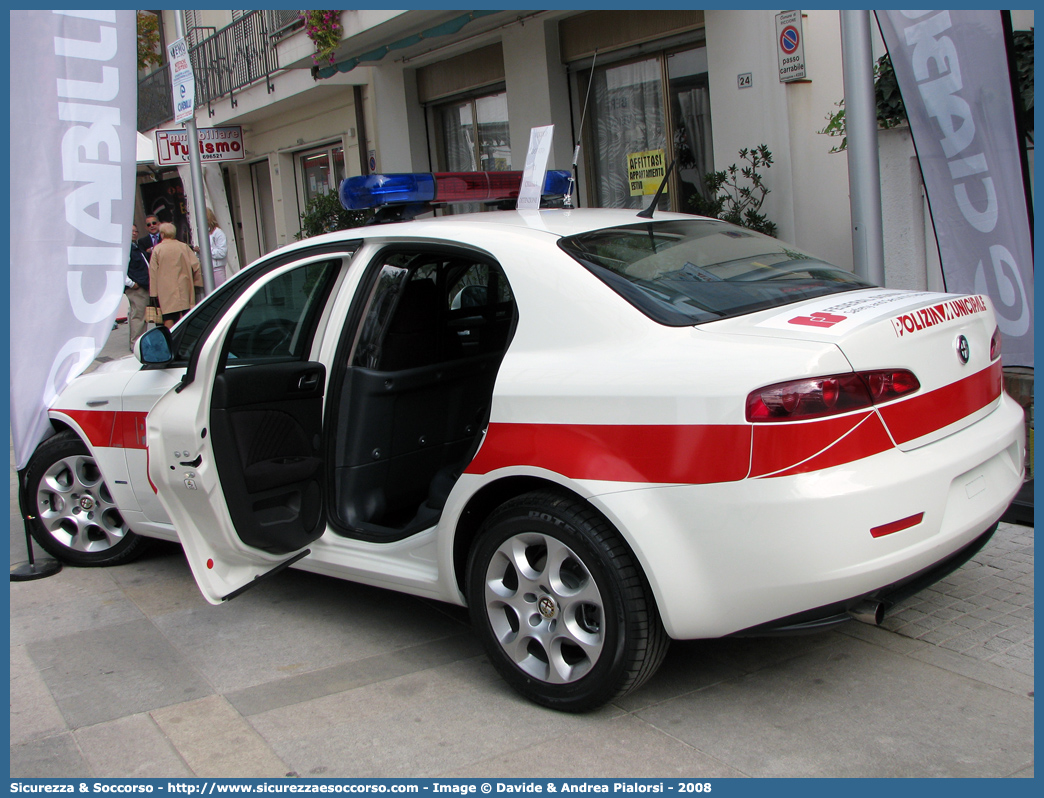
564,611
76,519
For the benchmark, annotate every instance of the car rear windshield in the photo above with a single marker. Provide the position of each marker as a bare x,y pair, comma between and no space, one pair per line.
684,272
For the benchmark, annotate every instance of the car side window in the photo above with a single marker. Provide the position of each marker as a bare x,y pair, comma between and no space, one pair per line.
280,318
478,286
427,308
187,333
380,306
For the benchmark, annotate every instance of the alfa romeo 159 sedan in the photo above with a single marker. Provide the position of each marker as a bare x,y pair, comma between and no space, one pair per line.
598,431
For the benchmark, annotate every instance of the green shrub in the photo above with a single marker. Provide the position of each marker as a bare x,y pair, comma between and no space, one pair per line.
735,201
325,214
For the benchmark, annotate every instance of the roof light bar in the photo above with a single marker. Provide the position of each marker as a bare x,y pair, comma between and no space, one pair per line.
373,191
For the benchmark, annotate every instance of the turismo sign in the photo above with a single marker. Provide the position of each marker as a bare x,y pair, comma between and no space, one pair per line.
215,144
790,46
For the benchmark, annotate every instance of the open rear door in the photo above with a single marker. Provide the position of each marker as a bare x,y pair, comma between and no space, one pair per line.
235,452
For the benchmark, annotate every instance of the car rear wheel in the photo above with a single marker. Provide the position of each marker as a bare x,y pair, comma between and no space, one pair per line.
76,520
564,611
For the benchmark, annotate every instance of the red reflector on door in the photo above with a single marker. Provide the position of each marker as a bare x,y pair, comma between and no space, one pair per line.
895,526
210,564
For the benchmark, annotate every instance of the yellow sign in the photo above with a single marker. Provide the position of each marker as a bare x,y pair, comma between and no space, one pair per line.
645,171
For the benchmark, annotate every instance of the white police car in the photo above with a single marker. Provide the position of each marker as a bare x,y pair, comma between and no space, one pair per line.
598,431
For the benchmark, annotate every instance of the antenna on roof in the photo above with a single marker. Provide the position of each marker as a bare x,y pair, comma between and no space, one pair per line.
567,201
648,212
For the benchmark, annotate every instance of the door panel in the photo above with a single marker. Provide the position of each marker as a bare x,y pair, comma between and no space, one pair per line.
267,429
235,451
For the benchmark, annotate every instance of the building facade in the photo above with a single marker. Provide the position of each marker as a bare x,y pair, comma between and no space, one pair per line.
430,90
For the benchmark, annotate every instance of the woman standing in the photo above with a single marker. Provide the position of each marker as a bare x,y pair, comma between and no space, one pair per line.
218,248
173,273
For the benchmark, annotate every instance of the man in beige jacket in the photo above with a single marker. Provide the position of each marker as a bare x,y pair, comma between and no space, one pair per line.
173,274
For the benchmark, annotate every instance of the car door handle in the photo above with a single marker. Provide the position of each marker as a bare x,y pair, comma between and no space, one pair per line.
308,381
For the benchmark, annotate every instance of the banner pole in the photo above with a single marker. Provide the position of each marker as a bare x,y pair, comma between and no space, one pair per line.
31,569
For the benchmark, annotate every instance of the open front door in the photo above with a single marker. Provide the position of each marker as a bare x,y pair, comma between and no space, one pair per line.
235,453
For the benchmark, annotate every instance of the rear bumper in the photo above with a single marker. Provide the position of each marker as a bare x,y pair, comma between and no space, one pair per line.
822,618
728,557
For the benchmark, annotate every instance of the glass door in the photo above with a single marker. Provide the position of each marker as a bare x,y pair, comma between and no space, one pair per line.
263,207
689,94
628,128
645,114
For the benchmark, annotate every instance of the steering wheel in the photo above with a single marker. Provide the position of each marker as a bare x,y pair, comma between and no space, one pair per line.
270,336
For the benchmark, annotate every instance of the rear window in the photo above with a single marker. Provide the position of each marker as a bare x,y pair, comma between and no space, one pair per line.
684,272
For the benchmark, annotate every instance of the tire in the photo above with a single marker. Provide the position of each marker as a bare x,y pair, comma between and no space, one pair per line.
561,605
75,519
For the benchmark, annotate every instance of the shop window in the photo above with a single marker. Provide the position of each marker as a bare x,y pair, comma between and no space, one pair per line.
473,134
320,171
648,112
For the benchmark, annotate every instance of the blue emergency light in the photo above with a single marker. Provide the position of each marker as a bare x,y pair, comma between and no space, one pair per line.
374,191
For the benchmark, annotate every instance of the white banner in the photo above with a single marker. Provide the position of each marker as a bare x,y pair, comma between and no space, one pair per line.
535,169
952,69
73,150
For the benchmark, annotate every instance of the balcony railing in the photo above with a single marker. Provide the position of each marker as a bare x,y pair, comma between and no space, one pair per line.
282,23
232,59
155,103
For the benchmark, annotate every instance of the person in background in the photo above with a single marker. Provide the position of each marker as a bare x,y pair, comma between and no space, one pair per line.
137,288
147,242
218,248
173,273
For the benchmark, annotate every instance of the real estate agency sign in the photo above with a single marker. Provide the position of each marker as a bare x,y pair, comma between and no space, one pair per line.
215,144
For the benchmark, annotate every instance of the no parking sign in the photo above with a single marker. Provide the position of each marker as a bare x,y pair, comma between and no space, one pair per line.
790,46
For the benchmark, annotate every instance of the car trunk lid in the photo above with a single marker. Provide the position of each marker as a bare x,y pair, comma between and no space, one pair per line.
944,339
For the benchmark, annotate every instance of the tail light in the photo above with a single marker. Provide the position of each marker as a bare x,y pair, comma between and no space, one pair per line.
995,345
799,400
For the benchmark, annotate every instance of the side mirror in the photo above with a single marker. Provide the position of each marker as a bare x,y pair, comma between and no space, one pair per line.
155,347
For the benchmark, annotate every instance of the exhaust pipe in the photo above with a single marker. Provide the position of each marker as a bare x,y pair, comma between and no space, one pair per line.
868,611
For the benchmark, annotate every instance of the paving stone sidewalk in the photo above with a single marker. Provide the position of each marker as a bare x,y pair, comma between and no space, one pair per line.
982,610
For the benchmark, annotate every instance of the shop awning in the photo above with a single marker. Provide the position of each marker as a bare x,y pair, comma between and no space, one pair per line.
447,28
146,149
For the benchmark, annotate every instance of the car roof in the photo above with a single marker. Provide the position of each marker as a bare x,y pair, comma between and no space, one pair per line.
556,222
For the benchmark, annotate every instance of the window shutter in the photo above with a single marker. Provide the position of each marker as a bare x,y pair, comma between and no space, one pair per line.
582,35
462,73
